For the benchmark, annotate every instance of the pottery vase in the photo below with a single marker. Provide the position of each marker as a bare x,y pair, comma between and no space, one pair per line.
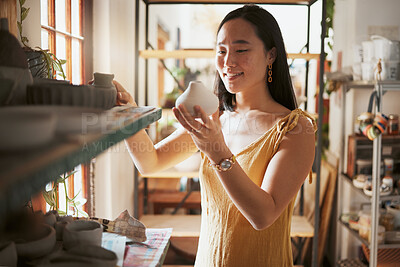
103,82
198,94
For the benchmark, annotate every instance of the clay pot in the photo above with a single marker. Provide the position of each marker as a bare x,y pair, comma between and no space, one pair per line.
37,243
8,254
83,255
198,94
82,232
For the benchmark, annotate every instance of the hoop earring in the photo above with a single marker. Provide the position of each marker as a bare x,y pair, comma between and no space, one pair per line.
270,73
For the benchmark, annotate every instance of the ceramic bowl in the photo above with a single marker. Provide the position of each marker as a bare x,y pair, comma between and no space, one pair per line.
37,243
60,226
84,255
22,78
54,93
70,120
21,129
6,88
50,219
82,232
8,254
96,254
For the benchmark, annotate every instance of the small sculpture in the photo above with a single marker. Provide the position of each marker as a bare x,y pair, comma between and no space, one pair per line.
378,70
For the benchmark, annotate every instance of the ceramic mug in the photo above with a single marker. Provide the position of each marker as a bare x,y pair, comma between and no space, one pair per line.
82,232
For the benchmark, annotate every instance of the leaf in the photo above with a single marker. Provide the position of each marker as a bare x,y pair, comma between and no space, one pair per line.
61,212
62,61
24,13
19,26
48,197
22,2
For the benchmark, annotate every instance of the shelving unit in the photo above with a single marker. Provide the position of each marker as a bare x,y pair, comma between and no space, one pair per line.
204,53
208,53
24,173
380,87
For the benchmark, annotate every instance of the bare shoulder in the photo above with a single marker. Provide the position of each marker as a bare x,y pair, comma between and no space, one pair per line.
304,127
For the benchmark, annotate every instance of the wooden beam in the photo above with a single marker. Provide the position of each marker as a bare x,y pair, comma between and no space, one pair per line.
8,9
204,53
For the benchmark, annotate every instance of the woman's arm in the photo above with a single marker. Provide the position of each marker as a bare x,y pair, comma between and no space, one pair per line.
150,158
286,171
283,178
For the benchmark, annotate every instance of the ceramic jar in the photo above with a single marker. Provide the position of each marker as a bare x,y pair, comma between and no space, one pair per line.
103,83
198,94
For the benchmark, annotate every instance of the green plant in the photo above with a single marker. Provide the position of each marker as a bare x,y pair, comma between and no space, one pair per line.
52,63
52,197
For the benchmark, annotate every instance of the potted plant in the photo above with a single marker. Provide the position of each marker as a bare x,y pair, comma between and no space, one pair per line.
52,197
41,62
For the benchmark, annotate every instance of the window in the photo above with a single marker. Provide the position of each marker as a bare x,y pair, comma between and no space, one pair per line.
62,34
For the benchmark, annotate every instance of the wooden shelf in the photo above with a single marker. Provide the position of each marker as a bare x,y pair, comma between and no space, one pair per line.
24,173
189,225
365,242
204,53
392,197
282,2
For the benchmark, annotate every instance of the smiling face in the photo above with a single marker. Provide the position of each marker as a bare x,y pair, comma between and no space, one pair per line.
241,58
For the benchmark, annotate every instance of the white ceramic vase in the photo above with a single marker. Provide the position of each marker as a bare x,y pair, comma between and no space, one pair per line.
198,94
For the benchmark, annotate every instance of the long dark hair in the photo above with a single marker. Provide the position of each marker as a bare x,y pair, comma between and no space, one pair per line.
267,29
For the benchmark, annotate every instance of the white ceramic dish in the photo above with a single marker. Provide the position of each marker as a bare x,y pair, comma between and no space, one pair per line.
21,129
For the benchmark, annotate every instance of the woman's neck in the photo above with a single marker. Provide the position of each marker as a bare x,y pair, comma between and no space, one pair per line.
260,100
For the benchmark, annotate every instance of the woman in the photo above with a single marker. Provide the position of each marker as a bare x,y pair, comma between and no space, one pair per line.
256,152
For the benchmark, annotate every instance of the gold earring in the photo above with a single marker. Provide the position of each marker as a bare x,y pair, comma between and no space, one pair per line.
270,73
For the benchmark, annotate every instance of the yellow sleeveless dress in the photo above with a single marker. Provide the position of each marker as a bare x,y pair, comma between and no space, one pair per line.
226,237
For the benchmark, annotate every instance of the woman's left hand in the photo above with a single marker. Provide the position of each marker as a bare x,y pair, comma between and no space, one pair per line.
206,131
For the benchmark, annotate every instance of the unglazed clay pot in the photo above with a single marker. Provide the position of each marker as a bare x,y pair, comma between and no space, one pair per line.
8,254
103,83
36,243
198,94
82,232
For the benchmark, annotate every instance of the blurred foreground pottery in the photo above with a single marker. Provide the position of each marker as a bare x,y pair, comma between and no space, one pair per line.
23,129
8,254
37,243
82,232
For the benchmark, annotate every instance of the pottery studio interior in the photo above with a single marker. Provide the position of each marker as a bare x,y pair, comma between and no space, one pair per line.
133,133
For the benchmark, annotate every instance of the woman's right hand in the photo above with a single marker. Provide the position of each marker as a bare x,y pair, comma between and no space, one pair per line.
123,97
